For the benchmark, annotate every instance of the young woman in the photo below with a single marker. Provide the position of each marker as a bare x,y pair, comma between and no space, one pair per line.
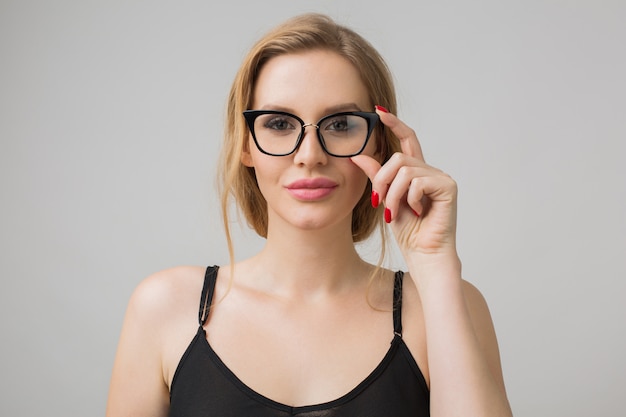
316,161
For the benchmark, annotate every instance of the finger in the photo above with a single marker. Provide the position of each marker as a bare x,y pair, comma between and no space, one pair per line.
415,195
407,188
368,164
412,184
394,165
408,139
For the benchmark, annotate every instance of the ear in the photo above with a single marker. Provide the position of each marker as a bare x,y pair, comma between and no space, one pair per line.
246,157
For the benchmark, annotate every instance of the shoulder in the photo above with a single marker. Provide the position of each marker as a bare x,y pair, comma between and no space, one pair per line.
163,312
165,292
477,311
475,302
165,302
167,283
482,322
160,320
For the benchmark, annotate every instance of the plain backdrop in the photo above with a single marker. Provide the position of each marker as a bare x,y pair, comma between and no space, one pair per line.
111,119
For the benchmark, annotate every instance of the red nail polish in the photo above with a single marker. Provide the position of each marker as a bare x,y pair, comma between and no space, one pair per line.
381,108
387,215
375,199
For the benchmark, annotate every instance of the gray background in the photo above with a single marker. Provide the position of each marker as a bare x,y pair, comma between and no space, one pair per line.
110,122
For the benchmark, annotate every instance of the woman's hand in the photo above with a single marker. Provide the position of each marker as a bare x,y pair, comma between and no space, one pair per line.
420,201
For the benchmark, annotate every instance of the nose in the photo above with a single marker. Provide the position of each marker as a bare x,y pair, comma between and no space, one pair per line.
310,151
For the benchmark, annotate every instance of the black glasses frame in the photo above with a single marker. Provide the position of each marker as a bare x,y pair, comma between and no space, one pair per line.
371,118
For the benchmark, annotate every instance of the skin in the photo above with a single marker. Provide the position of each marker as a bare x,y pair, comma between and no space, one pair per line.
308,285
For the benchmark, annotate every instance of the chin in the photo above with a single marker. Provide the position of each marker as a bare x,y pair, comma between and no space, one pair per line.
314,220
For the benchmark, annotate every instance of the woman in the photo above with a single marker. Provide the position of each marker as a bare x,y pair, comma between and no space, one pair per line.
306,327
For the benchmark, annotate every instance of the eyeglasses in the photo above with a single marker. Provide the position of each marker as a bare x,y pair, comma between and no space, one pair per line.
278,133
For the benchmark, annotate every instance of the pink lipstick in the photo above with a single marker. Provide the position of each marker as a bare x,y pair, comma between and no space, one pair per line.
311,189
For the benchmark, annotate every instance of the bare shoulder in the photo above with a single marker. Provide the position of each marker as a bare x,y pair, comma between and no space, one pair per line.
159,323
165,293
481,318
414,330
473,296
484,328
166,305
475,301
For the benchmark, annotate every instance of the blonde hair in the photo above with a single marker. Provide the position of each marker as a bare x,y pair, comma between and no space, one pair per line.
301,33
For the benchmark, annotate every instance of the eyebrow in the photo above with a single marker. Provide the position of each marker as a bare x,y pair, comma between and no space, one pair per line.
328,110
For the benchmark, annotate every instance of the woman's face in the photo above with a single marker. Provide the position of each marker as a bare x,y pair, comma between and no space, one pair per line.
309,189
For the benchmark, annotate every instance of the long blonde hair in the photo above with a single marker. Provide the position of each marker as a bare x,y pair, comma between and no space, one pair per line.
301,33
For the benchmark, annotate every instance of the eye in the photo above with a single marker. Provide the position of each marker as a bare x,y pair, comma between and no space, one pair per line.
279,123
339,123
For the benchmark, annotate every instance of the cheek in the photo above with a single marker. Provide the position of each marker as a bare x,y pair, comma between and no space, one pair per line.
268,169
359,179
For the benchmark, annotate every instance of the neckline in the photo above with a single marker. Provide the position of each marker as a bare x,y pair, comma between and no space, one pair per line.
262,399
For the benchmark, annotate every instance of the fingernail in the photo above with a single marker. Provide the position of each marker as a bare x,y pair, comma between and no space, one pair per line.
375,199
387,215
381,108
415,212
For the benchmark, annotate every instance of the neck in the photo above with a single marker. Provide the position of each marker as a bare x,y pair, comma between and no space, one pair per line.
299,262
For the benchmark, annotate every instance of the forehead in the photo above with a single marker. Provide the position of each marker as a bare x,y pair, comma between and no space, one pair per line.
310,82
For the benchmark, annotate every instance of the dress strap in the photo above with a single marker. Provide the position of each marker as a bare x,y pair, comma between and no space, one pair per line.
397,303
210,278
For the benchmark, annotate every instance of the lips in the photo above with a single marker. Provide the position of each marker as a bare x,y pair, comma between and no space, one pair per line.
311,188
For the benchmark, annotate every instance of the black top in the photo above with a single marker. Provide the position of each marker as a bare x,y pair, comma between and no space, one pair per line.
203,386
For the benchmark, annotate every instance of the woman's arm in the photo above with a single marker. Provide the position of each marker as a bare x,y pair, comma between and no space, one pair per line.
138,386
463,357
420,203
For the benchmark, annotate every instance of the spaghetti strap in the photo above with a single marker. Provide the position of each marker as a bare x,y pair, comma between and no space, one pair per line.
203,385
397,303
208,288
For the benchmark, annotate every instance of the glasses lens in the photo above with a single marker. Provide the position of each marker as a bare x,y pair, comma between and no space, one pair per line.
344,134
277,133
